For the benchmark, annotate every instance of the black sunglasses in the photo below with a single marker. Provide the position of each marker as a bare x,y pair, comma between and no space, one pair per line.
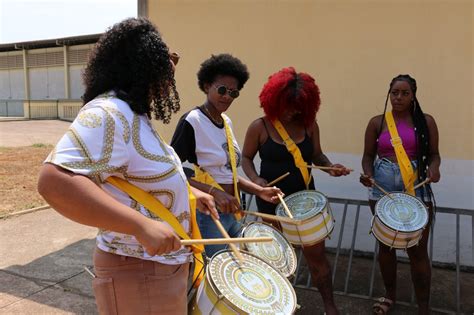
222,90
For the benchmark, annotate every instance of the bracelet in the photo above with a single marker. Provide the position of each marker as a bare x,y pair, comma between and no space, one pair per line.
210,190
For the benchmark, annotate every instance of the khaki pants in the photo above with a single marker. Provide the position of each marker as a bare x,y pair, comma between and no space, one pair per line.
127,285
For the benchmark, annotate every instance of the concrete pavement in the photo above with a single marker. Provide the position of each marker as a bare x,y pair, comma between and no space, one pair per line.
29,132
42,266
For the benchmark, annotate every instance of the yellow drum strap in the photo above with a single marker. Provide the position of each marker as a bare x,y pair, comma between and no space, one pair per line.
406,169
294,151
204,177
233,162
157,208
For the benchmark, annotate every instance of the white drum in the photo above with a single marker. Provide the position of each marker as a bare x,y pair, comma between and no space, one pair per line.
312,208
399,220
253,288
279,253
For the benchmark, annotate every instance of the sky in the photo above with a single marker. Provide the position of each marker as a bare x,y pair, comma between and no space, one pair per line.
27,20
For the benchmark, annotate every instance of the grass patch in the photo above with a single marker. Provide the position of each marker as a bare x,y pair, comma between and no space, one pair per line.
19,168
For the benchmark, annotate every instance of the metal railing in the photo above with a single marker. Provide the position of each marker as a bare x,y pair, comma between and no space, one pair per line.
351,252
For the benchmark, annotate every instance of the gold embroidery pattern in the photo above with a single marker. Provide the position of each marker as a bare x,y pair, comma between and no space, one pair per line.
184,216
100,166
89,120
141,150
151,178
123,120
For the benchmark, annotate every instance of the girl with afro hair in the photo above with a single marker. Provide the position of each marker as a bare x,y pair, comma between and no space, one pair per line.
290,101
204,137
140,265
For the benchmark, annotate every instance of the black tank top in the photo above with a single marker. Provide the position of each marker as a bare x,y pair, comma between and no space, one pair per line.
276,161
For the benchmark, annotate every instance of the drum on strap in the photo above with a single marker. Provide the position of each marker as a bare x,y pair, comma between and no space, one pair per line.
399,221
279,253
312,208
253,288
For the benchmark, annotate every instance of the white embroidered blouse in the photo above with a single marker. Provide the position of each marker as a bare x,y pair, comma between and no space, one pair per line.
108,139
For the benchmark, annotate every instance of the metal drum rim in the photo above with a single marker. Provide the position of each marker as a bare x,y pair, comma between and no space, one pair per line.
281,211
235,307
376,210
284,239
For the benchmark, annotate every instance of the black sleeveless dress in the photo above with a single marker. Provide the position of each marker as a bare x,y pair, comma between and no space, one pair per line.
276,161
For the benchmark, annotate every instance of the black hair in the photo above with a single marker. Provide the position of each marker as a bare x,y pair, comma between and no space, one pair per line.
222,64
132,59
421,132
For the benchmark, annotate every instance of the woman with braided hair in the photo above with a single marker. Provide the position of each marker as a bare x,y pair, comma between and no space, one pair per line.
419,136
140,265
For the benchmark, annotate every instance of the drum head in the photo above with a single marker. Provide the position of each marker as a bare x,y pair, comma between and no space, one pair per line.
255,287
279,253
403,213
303,204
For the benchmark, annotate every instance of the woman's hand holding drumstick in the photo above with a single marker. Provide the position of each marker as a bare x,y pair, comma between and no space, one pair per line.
334,170
372,181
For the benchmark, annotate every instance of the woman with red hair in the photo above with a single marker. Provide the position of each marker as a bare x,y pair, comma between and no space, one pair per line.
290,101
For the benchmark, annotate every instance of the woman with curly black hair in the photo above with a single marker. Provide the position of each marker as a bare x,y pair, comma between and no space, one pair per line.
204,137
399,168
110,151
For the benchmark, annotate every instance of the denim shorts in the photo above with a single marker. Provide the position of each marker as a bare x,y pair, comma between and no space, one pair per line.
387,175
209,229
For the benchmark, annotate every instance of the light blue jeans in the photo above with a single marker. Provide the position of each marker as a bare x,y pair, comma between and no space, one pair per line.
209,229
387,175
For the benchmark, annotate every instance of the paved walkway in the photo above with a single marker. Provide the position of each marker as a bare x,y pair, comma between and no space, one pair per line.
20,133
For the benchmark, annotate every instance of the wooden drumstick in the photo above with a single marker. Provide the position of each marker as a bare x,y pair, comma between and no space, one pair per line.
226,235
426,181
288,212
329,168
278,179
378,186
216,241
273,217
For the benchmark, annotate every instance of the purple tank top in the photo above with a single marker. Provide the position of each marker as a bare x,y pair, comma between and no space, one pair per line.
406,133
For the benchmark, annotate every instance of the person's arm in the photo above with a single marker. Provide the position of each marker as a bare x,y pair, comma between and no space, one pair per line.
252,143
320,159
269,194
370,151
434,158
81,200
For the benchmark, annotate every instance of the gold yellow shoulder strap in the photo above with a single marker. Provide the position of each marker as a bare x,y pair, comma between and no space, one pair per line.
406,169
157,208
294,151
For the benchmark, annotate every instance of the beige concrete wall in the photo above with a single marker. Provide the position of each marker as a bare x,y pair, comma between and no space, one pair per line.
352,48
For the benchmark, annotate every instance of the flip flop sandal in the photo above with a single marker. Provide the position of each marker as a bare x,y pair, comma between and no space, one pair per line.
382,306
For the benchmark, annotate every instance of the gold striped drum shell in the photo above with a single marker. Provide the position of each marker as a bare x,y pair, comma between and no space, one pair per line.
399,221
252,288
312,209
279,253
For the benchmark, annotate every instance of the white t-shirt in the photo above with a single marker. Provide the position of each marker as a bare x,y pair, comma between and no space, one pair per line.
199,140
108,139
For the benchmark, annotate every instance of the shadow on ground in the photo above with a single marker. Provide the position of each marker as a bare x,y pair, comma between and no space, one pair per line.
54,283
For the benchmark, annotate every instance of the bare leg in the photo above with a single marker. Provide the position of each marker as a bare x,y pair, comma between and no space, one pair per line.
388,266
321,275
421,269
